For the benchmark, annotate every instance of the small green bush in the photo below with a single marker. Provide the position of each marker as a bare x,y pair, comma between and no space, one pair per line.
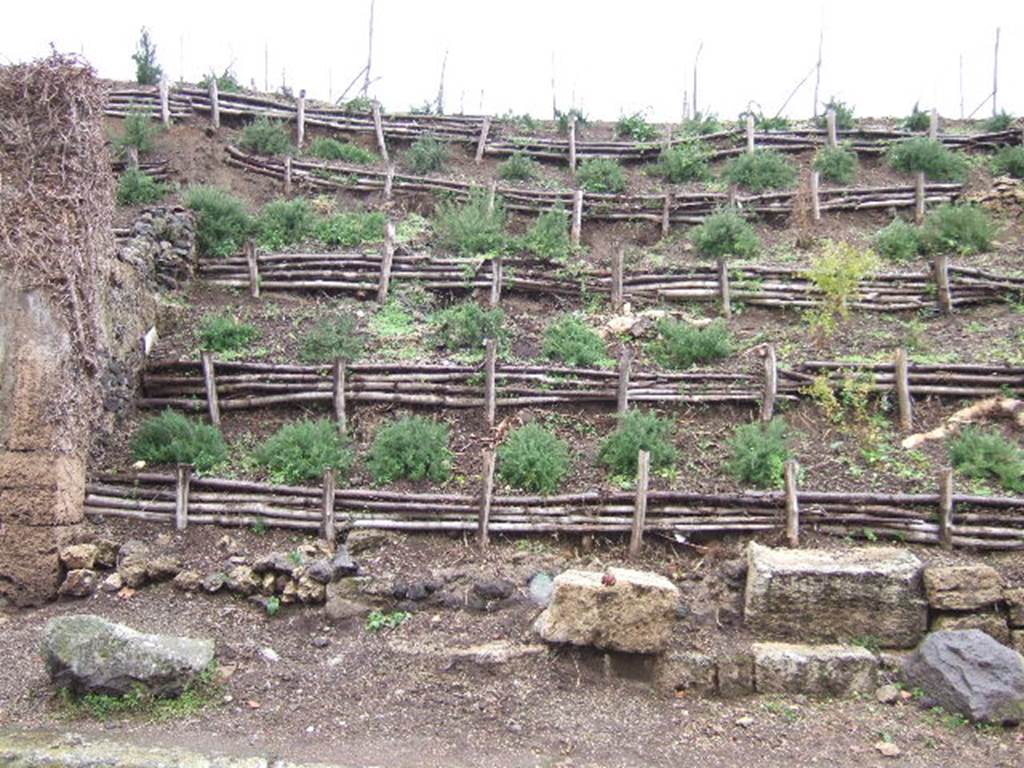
227,81
725,233
764,123
519,167
533,459
844,115
332,149
412,448
426,154
636,127
681,163
139,132
284,222
570,341
918,120
997,123
639,431
359,105
836,164
836,273
222,223
137,188
601,174
964,229
348,230
549,238
759,453
172,438
760,170
680,344
466,326
224,333
1009,161
562,120
472,228
266,137
701,125
332,339
898,241
304,450
985,455
147,71
922,154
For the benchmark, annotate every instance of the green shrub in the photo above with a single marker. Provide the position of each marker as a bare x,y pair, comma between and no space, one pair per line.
636,127
549,238
601,174
997,123
725,233
266,137
465,327
759,453
898,241
964,229
147,71
348,230
836,273
304,450
760,170
844,115
172,438
927,155
639,431
680,344
359,105
426,154
1009,161
519,167
413,448
472,228
222,223
985,455
918,120
137,188
139,132
562,120
570,341
332,149
684,162
701,125
533,459
284,222
762,122
227,81
224,333
332,339
836,164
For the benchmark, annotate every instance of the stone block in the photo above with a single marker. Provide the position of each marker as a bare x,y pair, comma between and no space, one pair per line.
814,670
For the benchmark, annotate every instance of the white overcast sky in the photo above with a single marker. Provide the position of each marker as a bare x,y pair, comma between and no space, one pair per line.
880,56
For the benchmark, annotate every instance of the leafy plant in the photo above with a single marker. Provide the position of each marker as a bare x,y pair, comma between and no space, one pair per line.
348,230
965,229
562,120
635,126
570,341
266,137
760,170
426,154
765,123
147,71
222,223
359,105
284,222
549,238
172,438
471,228
332,339
467,326
378,620
304,451
920,154
332,149
918,120
836,164
533,459
680,344
412,448
601,174
1009,161
836,273
844,114
227,81
898,241
637,431
519,167
701,124
140,702
725,233
759,453
683,162
225,333
273,605
137,188
986,455
997,123
139,132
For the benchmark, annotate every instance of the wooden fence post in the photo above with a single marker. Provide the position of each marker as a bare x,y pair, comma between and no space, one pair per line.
724,294
496,276
902,377
572,144
288,176
830,121
789,475
210,383
946,508
338,398
327,522
389,181
636,536
666,215
165,102
771,384
618,299
131,159
254,269
933,124
482,143
490,387
622,390
750,133
300,119
492,196
919,195
577,216
378,127
483,535
816,195
184,481
385,264
943,293
214,103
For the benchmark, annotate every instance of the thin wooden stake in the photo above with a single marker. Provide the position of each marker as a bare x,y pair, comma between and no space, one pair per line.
389,181
903,389
328,532
816,195
385,264
210,383
490,387
622,391
165,102
300,119
830,121
572,144
492,196
214,103
288,176
933,124
919,197
666,215
750,133
942,292
724,296
946,508
378,127
483,534
338,387
132,157
771,384
496,276
636,536
577,216
482,143
789,475
184,480
254,269
617,269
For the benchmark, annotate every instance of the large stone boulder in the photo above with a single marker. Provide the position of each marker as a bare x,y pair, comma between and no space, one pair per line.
830,596
966,671
89,654
814,670
618,610
962,587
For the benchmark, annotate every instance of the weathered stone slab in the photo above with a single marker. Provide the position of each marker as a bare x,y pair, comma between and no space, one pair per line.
1014,598
687,672
992,624
962,587
814,670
